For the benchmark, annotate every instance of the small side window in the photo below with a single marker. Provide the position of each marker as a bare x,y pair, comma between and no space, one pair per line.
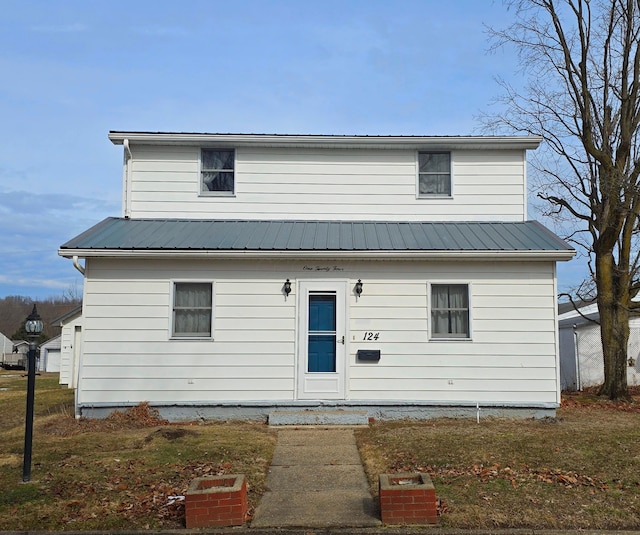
434,174
192,310
217,171
450,311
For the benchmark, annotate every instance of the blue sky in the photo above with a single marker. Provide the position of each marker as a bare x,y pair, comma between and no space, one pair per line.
73,70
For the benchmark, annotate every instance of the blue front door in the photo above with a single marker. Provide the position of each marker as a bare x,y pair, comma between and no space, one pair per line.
322,338
322,333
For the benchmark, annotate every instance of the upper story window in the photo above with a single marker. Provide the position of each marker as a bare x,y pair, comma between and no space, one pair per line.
434,174
450,311
217,171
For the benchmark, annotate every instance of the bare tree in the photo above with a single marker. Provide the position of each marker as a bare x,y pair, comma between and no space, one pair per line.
582,58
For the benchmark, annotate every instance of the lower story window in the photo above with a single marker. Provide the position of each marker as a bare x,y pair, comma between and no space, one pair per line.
192,309
450,311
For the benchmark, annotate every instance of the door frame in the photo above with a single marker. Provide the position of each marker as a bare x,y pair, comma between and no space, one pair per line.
322,385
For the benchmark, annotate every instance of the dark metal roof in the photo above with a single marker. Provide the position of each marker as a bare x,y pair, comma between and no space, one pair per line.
326,141
337,136
282,235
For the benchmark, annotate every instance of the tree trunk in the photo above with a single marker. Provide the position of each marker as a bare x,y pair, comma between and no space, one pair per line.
614,329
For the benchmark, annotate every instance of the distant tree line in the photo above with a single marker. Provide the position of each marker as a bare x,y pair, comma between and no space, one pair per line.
14,310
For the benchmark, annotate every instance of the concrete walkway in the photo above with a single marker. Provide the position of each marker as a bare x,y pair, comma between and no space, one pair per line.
316,480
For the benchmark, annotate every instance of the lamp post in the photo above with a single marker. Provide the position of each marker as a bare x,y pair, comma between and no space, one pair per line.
33,326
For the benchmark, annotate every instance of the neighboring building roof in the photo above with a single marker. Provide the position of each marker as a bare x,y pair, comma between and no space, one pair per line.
52,343
327,141
148,236
587,313
569,306
71,314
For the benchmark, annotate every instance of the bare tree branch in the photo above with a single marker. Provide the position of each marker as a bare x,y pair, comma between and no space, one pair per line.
582,94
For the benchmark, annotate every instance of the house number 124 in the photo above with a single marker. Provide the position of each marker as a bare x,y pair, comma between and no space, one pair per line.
371,336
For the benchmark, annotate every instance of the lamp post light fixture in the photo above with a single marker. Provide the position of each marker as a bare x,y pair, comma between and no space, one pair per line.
33,326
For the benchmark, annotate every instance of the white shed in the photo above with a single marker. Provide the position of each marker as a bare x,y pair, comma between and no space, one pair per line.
6,348
50,355
70,345
581,360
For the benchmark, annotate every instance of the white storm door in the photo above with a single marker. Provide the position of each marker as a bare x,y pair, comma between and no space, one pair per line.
321,339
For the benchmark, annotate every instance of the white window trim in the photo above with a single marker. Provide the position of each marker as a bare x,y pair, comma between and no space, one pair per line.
173,283
431,196
235,174
429,321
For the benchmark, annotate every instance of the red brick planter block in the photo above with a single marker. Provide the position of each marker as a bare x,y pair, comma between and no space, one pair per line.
216,501
407,499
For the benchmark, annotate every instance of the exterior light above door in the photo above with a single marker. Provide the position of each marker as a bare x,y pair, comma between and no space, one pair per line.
287,288
358,288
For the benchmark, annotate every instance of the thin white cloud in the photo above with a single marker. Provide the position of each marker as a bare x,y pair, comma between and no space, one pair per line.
53,284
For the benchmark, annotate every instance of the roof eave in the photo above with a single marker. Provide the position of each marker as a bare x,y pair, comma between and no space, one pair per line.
76,311
541,255
328,141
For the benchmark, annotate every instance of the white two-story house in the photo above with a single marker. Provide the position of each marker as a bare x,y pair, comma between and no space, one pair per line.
255,276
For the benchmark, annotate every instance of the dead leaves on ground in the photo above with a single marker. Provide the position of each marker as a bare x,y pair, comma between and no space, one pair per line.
136,417
516,476
130,489
588,399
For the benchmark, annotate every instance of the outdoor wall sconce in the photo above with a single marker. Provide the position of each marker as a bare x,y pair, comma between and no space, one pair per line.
358,288
286,288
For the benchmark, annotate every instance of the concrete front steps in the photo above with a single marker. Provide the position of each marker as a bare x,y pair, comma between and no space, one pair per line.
319,417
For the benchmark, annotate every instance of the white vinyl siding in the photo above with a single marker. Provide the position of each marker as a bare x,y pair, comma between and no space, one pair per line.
66,357
128,358
511,357
327,184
